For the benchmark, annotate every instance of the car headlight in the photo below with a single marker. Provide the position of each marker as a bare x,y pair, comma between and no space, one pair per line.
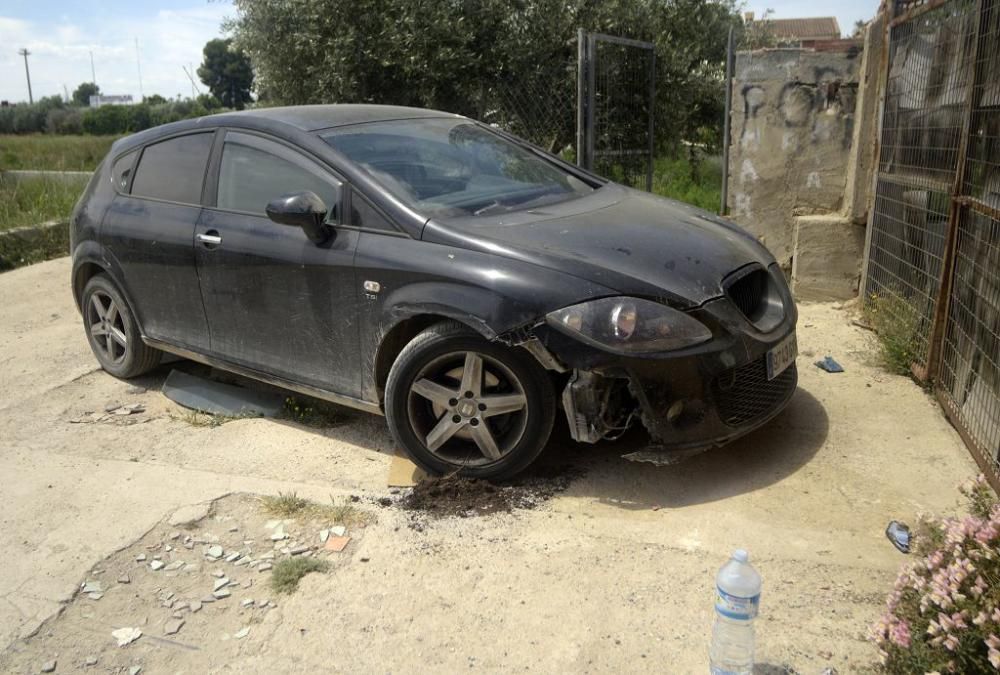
629,325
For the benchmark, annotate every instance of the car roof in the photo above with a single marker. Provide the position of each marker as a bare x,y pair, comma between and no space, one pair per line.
300,119
316,117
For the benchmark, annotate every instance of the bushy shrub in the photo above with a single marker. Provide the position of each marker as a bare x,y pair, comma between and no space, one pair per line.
51,115
64,121
943,614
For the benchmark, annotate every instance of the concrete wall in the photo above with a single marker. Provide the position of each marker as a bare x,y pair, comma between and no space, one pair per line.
793,164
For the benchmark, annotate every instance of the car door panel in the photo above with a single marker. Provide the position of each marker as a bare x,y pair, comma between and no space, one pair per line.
277,302
148,236
151,246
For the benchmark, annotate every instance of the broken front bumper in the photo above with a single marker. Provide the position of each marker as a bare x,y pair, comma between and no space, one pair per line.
689,400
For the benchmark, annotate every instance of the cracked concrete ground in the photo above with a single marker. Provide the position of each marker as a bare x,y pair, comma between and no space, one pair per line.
617,572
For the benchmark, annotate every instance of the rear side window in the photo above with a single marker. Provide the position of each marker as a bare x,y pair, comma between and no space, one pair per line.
122,171
174,169
255,170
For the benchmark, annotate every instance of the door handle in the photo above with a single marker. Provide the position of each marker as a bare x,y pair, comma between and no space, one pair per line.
210,239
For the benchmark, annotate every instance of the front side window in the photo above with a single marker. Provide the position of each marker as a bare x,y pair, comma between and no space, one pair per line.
255,170
174,169
454,167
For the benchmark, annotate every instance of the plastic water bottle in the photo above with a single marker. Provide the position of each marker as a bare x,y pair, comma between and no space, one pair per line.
737,598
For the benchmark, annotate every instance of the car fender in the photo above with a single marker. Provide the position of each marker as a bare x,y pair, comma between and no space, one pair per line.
89,252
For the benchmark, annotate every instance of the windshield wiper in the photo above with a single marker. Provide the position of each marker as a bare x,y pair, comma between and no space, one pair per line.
486,209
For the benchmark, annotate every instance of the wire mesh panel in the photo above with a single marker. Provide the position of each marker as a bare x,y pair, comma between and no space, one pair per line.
923,125
909,225
926,92
982,171
618,98
970,364
969,381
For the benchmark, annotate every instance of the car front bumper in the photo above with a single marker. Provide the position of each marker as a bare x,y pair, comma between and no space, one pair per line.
689,400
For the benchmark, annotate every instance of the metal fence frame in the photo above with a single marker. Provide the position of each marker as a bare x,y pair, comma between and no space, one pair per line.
594,98
932,259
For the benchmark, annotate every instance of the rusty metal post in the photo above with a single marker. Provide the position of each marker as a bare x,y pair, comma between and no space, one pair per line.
723,207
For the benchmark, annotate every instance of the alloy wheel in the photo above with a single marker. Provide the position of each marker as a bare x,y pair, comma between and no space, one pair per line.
107,327
468,408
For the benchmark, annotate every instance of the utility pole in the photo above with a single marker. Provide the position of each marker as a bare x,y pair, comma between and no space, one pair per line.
25,53
138,67
93,74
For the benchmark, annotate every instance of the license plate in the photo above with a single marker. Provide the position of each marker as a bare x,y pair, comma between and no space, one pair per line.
781,356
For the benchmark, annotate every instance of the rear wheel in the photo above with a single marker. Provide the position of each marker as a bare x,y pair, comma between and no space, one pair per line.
458,403
112,331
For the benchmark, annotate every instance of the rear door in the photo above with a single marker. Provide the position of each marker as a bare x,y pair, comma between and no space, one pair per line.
149,234
276,302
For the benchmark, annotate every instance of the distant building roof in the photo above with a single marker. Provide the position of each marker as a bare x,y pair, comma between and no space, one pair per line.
814,28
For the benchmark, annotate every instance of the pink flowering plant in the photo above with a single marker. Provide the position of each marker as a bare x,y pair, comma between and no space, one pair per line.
943,614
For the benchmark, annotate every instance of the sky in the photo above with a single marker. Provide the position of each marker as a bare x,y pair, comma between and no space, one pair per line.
61,34
846,11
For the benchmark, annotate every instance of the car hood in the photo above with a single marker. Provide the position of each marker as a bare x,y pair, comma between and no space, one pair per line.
630,241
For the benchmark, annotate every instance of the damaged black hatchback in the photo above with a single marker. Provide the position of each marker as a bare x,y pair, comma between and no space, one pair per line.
424,266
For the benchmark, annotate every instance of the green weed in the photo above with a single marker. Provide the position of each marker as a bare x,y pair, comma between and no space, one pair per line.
286,574
53,152
35,201
897,324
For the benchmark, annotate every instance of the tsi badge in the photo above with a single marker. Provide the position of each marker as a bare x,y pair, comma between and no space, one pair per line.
371,289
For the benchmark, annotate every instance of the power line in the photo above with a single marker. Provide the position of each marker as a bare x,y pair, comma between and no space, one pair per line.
25,53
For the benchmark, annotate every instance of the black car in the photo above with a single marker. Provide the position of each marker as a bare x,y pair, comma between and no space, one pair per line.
422,265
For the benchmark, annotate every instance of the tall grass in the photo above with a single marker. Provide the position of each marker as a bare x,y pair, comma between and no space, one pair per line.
53,153
698,182
897,324
37,200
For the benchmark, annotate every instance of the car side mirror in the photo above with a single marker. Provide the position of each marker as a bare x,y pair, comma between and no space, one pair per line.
301,209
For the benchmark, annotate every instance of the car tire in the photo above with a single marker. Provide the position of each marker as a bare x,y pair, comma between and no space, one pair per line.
494,425
112,331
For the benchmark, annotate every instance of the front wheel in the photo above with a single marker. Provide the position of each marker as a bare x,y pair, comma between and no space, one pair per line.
458,403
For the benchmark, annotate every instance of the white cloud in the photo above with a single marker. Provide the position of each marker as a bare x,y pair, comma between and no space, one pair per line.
60,52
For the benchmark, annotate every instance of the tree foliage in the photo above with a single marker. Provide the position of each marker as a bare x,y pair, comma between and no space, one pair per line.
82,94
446,53
227,73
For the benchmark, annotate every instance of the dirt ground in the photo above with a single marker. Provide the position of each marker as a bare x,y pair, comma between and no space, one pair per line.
611,569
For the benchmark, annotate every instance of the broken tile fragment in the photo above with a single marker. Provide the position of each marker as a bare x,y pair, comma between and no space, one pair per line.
126,635
336,544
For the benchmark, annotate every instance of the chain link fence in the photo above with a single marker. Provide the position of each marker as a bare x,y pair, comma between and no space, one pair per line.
595,109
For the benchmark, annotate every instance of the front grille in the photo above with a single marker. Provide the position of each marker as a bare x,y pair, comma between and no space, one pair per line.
744,394
748,293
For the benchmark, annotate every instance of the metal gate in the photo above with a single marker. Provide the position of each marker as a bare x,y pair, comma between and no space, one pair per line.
616,101
934,234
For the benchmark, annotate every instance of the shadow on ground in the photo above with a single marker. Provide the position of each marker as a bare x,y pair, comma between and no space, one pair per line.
764,457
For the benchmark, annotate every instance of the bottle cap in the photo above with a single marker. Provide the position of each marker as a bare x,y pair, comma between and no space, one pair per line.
740,555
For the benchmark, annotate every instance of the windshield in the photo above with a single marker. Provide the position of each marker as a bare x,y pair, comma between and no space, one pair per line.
453,167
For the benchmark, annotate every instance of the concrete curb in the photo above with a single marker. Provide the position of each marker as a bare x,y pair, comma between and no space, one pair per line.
33,243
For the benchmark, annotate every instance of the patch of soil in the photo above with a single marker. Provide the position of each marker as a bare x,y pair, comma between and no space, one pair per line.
445,496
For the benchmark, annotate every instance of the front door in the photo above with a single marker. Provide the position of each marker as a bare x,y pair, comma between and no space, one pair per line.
275,301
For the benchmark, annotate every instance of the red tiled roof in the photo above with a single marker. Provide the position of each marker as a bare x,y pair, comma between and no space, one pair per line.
820,27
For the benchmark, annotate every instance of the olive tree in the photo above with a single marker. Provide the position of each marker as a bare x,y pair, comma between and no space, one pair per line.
454,54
